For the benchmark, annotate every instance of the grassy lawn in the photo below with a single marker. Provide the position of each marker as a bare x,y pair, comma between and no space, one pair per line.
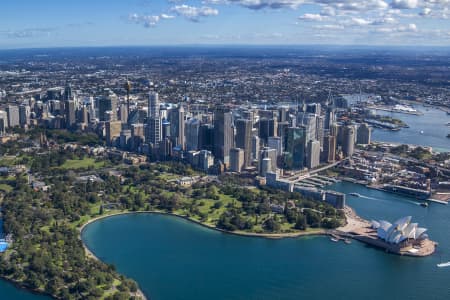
7,161
82,164
5,187
168,176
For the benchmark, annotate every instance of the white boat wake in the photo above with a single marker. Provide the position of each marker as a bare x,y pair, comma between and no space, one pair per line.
381,200
443,265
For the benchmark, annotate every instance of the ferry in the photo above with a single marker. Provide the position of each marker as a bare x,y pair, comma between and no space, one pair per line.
355,194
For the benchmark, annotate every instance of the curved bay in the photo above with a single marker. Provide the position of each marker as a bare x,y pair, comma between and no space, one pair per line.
172,258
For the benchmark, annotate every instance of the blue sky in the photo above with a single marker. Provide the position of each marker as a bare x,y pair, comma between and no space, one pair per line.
56,23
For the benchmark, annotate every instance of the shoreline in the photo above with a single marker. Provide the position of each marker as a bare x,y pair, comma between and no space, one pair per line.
139,292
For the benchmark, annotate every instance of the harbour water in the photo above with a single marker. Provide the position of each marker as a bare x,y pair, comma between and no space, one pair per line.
429,129
172,258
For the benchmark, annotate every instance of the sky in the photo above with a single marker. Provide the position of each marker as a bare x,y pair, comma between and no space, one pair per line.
58,23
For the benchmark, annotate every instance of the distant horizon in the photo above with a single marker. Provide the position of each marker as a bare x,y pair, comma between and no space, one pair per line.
324,46
49,23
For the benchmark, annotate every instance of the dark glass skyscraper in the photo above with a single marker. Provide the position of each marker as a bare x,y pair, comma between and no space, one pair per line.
244,139
223,134
294,157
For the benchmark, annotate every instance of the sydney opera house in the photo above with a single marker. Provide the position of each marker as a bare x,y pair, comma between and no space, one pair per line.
402,237
402,230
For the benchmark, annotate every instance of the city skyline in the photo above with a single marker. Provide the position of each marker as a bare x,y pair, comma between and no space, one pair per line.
27,24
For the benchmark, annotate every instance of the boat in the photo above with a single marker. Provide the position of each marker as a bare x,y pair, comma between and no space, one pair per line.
355,194
443,265
347,241
334,240
424,204
448,135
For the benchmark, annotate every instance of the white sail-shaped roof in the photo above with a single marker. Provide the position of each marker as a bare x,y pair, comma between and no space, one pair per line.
419,232
401,230
403,222
385,225
410,230
375,224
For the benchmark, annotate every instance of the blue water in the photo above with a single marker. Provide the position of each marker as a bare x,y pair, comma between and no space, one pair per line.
432,123
174,259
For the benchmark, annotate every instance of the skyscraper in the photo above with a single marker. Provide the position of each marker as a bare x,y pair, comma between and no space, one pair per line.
206,137
107,102
154,120
319,128
123,113
244,139
348,145
112,132
177,125
3,121
364,134
24,114
68,92
165,129
330,118
255,147
236,159
294,157
309,121
275,142
313,108
267,153
267,127
329,149
70,113
223,134
13,115
313,155
192,134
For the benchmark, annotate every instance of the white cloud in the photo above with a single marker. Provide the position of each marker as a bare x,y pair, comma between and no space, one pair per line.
355,5
405,4
312,17
359,21
275,4
28,32
148,20
193,13
164,16
328,11
329,27
425,12
401,28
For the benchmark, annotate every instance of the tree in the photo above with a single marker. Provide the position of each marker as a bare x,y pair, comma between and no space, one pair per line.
271,225
300,223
